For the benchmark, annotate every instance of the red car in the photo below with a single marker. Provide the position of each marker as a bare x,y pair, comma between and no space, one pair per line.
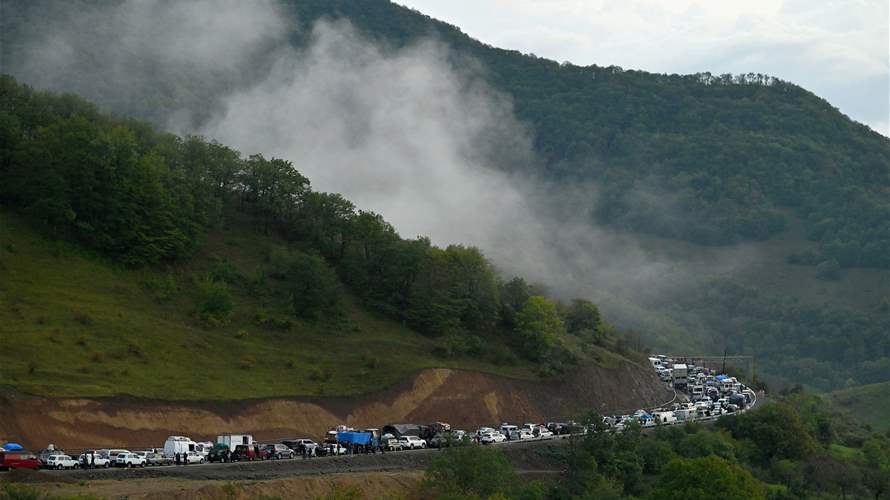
18,459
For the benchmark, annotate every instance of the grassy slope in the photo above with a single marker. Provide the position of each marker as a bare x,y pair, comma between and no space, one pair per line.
72,325
869,404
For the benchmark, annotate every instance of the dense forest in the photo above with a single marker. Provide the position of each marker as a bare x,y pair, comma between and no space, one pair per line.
144,198
784,450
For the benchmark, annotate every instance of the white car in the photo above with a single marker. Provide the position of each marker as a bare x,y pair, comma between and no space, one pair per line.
61,462
520,434
129,460
95,460
492,437
193,457
543,433
412,442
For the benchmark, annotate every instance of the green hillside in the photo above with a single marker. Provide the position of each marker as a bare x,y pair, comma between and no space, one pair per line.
75,324
869,404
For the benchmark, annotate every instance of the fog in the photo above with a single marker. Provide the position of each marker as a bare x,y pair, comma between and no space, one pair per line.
413,133
419,137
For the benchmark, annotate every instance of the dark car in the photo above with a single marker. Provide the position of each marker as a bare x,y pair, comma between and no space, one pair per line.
279,451
220,453
244,452
18,459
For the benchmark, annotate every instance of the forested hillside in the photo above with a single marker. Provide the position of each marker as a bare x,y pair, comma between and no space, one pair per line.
145,200
697,163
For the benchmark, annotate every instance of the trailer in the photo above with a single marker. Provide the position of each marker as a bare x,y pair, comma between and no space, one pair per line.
679,376
233,440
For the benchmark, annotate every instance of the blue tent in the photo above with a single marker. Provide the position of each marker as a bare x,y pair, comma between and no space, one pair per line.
721,378
12,447
361,438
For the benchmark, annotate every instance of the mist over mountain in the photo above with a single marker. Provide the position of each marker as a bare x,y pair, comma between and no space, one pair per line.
656,195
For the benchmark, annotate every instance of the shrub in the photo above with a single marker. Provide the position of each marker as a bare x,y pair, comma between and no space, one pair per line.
247,362
83,318
225,272
213,301
134,350
829,270
320,375
162,288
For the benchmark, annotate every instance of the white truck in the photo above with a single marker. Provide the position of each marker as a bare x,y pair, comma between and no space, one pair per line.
679,375
178,445
233,440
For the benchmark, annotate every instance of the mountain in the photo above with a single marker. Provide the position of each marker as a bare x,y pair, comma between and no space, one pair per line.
700,167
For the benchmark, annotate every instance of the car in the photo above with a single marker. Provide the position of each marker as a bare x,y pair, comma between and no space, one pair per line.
18,459
329,449
279,451
61,462
521,434
298,444
412,442
129,459
220,453
492,437
507,430
112,454
193,457
393,444
484,430
244,452
93,459
542,432
157,458
44,454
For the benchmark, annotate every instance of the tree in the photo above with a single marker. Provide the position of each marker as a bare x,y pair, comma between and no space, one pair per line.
582,319
538,327
514,293
775,429
470,472
313,285
706,478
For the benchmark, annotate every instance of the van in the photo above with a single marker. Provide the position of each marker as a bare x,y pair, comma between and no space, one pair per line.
507,429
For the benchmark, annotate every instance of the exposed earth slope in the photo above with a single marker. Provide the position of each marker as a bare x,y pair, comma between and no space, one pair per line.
464,399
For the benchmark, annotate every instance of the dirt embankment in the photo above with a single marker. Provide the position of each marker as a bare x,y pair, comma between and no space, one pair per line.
465,399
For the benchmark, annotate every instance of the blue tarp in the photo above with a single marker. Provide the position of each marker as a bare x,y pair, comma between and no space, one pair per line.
361,438
12,447
721,377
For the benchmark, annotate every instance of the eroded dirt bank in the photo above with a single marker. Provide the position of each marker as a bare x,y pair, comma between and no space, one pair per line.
464,399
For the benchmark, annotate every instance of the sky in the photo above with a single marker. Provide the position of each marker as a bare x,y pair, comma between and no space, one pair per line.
838,49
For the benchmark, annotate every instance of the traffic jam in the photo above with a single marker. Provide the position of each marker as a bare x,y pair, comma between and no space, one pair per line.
700,394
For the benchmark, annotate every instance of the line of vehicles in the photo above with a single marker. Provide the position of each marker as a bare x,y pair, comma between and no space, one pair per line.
702,394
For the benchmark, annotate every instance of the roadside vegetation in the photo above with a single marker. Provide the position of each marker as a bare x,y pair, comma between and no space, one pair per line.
143,263
772,452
